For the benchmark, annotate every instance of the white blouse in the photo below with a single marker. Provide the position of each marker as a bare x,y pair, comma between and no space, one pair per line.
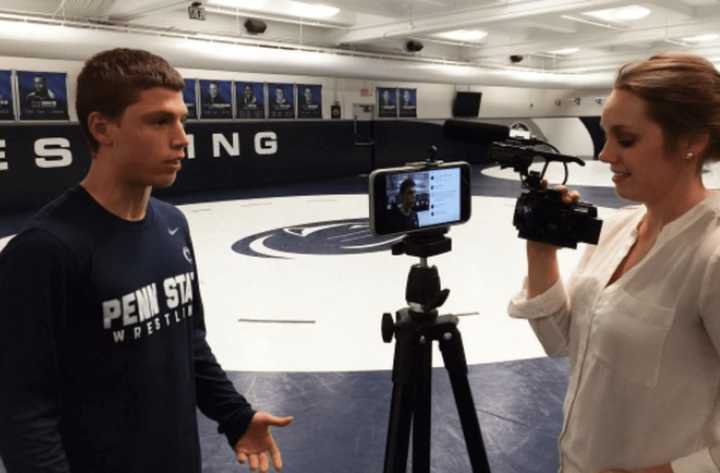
644,352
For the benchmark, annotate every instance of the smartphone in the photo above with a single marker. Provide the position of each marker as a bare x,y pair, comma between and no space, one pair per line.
414,198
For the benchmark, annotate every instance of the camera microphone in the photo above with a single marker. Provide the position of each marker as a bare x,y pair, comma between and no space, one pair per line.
475,132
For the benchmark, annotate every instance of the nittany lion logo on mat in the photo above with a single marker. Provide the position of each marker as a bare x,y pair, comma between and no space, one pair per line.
334,237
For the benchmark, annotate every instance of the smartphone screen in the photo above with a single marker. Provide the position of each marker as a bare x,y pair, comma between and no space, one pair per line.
403,200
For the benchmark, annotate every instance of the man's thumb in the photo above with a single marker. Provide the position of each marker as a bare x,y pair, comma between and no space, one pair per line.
280,421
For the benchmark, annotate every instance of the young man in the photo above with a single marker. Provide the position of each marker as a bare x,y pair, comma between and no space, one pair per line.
403,212
103,357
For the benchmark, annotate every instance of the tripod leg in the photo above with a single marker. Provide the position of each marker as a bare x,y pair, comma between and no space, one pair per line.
423,408
402,404
454,357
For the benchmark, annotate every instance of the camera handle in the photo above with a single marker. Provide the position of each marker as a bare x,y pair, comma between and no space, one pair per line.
533,179
415,328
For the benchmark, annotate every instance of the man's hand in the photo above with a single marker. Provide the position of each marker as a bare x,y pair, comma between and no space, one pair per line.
255,445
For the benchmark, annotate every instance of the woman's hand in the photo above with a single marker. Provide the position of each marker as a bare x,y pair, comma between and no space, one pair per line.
546,250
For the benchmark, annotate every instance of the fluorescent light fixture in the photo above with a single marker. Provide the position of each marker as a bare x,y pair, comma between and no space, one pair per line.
286,7
585,21
564,52
702,38
239,4
312,10
621,14
463,35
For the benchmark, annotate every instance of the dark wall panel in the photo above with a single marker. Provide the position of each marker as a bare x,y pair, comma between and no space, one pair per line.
37,162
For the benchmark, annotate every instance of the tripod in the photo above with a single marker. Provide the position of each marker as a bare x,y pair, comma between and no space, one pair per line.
415,328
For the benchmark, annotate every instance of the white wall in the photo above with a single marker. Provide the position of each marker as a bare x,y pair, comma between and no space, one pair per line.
568,135
502,102
434,100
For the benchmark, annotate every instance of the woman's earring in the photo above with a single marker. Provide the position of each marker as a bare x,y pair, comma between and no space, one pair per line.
689,156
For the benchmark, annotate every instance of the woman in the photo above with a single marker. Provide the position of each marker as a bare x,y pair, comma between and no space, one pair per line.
640,318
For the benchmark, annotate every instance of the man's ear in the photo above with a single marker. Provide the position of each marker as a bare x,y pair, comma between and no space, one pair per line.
101,128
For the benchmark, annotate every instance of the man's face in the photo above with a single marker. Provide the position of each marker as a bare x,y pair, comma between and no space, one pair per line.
408,198
308,95
213,90
386,96
38,84
279,94
248,91
148,140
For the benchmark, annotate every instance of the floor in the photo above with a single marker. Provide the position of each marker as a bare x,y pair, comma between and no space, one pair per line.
300,334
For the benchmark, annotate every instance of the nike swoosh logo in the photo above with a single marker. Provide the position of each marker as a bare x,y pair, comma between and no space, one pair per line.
173,231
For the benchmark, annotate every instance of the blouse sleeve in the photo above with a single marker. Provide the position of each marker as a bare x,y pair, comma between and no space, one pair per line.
549,313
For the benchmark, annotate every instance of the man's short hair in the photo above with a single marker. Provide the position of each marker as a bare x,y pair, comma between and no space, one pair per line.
112,80
407,184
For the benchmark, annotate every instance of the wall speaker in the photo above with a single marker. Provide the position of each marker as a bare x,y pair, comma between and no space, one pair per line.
413,46
254,26
196,11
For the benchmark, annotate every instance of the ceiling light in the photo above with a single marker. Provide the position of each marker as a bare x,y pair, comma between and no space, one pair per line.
463,35
286,7
312,10
565,52
702,38
628,13
241,4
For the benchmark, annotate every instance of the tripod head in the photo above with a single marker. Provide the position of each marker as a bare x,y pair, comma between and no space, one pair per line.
422,292
424,244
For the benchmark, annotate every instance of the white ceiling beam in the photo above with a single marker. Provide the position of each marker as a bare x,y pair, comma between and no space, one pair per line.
43,7
470,18
556,25
707,10
83,9
129,10
614,60
602,39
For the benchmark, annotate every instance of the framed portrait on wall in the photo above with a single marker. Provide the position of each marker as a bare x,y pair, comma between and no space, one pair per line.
42,95
408,103
281,100
215,99
387,102
250,100
7,111
309,101
190,97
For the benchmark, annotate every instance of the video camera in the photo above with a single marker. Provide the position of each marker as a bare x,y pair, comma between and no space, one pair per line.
540,214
